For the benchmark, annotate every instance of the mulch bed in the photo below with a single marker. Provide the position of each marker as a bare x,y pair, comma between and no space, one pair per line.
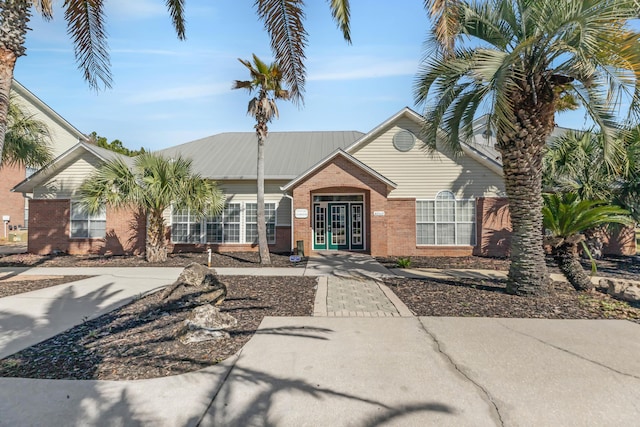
488,298
231,259
138,340
610,266
8,288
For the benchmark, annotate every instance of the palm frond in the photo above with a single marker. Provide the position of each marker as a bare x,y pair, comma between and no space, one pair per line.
27,140
176,10
86,26
340,10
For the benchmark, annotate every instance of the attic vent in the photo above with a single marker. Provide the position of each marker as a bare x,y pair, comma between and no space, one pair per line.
404,140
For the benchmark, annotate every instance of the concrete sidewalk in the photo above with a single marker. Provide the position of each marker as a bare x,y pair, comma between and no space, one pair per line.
314,371
338,371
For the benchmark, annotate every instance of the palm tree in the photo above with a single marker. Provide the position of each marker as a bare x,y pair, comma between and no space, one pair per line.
566,217
152,185
27,139
266,80
283,20
522,52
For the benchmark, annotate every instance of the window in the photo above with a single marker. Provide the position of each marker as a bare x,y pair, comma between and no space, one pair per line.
445,221
225,228
185,227
251,222
84,225
233,225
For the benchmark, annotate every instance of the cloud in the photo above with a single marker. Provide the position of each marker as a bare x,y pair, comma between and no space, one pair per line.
363,68
180,93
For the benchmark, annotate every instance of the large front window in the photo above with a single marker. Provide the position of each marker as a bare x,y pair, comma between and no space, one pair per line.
237,223
446,221
85,225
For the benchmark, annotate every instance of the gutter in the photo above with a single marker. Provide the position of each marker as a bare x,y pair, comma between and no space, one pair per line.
292,235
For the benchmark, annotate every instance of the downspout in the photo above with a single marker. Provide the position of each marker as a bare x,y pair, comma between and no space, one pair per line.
292,235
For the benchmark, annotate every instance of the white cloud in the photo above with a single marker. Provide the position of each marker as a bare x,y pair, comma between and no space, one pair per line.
363,68
180,93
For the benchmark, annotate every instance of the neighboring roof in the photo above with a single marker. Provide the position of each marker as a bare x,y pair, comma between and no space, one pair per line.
287,154
41,176
326,160
37,102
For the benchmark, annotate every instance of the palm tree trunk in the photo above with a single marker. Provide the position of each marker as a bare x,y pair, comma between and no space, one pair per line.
156,250
14,15
569,262
263,245
522,150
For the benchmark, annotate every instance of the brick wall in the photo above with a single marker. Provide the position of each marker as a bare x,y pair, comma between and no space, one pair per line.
11,204
339,177
282,245
49,228
493,233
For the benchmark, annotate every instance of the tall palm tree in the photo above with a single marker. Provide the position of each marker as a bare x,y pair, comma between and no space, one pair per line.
566,217
283,20
266,81
27,141
522,51
152,185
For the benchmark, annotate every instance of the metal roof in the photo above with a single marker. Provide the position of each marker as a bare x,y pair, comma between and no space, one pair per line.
233,155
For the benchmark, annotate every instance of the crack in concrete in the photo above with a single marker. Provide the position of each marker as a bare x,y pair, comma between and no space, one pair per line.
479,386
579,356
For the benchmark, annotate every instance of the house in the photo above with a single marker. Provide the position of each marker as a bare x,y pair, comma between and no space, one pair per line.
63,136
378,193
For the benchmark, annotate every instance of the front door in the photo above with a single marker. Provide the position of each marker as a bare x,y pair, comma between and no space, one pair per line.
338,226
337,230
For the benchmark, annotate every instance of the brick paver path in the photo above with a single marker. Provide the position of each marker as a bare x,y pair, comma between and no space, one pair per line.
347,297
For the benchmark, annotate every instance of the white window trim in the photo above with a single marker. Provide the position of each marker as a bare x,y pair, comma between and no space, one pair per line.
90,218
455,222
242,231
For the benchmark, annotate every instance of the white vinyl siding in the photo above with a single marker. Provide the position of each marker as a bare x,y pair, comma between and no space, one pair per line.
422,175
85,225
66,183
445,221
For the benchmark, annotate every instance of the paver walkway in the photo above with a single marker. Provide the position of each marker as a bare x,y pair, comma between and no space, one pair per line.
350,285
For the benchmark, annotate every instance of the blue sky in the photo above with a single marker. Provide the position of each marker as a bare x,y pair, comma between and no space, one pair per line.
167,92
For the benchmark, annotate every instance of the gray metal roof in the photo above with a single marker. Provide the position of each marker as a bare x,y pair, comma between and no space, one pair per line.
287,154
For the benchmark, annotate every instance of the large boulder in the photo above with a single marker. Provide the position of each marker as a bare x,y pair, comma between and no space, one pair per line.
206,323
198,275
625,290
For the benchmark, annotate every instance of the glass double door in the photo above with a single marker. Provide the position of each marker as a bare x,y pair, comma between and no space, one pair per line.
338,226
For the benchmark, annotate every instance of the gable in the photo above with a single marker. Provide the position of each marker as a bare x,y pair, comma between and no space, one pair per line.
65,181
419,174
63,134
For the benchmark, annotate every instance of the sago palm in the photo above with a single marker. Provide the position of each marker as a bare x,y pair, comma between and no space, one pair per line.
27,142
566,217
151,185
266,81
514,59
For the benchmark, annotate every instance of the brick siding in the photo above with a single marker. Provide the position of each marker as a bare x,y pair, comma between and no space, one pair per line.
49,228
11,204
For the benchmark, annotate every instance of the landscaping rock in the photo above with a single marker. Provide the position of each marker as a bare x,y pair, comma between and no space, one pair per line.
632,294
198,275
194,274
206,323
622,289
